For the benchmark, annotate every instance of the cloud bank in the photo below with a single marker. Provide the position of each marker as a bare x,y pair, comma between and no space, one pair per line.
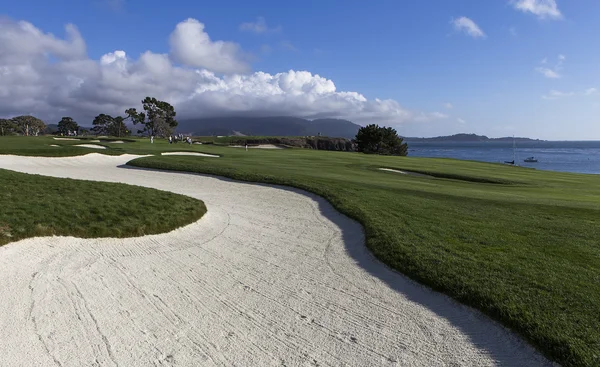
468,26
50,77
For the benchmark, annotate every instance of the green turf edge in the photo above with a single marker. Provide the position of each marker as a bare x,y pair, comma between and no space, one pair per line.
553,348
35,205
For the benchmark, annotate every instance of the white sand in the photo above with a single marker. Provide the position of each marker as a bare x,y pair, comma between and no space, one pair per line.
92,146
54,145
405,172
65,139
191,153
94,141
116,142
268,277
260,146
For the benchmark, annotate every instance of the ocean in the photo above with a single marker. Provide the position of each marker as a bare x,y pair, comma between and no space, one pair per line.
563,156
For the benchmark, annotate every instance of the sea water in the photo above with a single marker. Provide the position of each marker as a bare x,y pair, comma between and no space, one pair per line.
564,156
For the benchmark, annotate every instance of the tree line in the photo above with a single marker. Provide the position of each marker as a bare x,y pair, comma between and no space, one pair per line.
156,119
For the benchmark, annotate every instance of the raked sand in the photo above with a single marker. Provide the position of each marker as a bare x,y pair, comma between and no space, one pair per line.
268,277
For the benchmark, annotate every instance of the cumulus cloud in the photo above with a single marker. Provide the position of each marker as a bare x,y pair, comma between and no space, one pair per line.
461,121
543,9
258,26
448,105
590,91
191,46
555,94
50,77
430,116
466,25
554,72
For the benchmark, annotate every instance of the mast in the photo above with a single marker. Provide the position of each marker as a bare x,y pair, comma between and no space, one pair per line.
514,150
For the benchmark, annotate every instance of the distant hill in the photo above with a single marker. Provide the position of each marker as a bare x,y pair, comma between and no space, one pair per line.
268,126
466,138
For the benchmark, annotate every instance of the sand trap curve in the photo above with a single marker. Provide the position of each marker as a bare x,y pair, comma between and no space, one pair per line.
268,277
91,146
260,146
191,153
66,139
405,172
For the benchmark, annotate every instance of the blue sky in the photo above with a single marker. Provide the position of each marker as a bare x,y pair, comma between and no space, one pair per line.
529,75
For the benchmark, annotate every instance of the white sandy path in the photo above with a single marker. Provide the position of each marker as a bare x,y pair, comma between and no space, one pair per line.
191,153
405,172
260,146
92,146
268,277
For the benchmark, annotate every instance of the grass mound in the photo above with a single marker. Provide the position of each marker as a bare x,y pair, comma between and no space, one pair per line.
33,205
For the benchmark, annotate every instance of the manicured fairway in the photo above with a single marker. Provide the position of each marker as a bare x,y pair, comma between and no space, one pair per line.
519,244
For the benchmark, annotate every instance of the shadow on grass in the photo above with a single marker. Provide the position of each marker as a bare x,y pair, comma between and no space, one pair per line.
504,347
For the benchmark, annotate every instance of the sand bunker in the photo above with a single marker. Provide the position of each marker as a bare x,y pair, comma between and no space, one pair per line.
191,153
92,146
405,172
94,141
260,146
116,142
54,145
267,277
65,139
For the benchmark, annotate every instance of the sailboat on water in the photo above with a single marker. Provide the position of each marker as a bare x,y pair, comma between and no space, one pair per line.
514,153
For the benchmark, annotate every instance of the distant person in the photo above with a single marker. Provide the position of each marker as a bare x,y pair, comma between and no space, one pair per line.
246,147
170,139
151,139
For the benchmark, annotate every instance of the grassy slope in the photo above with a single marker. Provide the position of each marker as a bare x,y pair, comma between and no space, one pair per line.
32,205
519,244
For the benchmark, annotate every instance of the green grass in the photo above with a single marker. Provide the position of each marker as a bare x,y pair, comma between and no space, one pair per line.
32,205
520,245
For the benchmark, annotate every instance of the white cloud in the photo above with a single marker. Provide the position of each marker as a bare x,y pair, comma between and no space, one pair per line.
430,116
555,94
191,46
468,26
543,9
552,73
50,78
461,121
548,73
448,105
590,91
259,26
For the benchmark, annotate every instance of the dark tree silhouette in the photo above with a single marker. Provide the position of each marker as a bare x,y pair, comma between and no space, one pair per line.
158,117
373,139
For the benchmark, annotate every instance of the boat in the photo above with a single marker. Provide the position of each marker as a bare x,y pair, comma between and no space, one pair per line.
530,160
514,149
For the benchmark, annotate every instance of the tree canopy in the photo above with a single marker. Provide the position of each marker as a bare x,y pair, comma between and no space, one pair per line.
373,139
158,118
67,124
108,125
28,125
7,127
